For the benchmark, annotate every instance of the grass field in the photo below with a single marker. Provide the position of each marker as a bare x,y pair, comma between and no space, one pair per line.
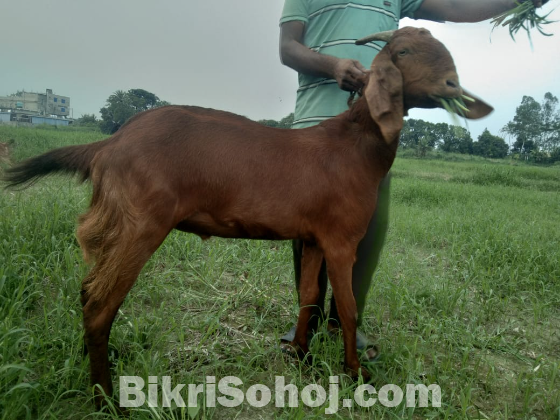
467,296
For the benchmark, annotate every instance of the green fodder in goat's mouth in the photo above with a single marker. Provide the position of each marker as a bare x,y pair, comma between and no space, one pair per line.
456,106
523,16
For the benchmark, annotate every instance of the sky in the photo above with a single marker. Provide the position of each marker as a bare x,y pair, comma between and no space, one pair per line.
223,54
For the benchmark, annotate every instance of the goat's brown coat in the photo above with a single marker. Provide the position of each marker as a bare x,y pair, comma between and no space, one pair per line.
217,174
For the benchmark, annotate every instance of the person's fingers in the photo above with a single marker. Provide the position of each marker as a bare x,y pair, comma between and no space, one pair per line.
357,76
350,86
360,67
351,75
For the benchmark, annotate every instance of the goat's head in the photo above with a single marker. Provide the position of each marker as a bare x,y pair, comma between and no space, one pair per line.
413,70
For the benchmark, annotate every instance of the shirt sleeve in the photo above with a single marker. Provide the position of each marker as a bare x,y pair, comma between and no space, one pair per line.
408,7
295,10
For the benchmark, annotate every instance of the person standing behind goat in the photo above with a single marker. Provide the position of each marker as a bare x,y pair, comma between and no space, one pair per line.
317,39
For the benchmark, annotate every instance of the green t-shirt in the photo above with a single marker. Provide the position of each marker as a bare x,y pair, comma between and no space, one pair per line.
332,27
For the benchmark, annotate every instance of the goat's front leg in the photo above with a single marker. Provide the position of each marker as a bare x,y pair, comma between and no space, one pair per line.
339,268
308,295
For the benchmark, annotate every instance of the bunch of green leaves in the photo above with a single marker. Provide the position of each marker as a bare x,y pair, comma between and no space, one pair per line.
523,16
456,106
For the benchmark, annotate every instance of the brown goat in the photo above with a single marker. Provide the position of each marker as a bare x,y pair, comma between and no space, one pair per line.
213,173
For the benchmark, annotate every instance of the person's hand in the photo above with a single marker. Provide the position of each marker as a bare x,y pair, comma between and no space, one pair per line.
350,74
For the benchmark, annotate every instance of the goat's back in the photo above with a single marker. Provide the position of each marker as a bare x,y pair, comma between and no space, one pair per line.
230,176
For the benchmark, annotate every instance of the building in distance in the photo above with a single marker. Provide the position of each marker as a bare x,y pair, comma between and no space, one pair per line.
36,108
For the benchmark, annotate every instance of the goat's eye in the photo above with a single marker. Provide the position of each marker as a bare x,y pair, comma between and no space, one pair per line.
403,53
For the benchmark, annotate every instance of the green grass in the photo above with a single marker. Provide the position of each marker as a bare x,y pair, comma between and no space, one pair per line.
467,296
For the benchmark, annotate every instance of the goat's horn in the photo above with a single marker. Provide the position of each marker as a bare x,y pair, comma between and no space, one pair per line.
380,36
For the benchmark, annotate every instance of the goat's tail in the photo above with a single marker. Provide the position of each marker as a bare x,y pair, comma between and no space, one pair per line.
70,159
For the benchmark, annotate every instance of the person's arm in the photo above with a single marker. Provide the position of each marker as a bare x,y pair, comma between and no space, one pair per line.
466,10
349,74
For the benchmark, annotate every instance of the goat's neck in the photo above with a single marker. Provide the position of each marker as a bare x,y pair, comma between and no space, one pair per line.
379,151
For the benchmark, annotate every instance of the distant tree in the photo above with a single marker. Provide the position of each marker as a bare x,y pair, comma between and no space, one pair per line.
116,111
523,147
269,123
454,139
285,122
122,105
490,146
525,123
423,136
424,145
88,120
555,155
538,156
142,100
550,119
535,126
419,135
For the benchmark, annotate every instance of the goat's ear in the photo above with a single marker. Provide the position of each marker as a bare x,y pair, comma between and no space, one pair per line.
477,108
384,96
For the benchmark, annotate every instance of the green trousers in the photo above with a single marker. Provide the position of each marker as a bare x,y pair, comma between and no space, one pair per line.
367,258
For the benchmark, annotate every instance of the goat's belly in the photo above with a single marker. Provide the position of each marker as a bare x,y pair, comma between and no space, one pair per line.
205,226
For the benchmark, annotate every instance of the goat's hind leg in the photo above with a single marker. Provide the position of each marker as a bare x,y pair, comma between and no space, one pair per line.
308,297
104,289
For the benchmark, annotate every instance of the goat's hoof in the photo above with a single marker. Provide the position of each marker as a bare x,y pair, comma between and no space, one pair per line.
295,351
286,348
356,373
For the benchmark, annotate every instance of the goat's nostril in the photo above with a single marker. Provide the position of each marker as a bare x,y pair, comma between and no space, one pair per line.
452,84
